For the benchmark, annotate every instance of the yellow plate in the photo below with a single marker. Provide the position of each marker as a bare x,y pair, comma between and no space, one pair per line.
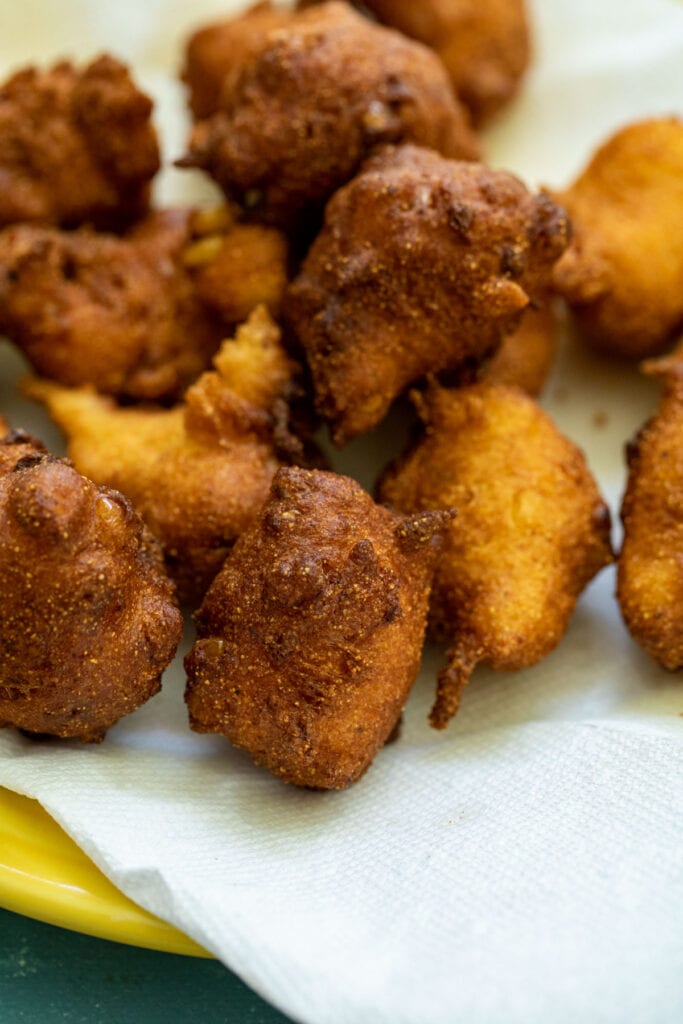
43,874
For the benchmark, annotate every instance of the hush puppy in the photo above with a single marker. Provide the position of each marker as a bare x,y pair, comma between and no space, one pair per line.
76,146
423,265
310,636
649,577
622,274
88,622
531,529
139,316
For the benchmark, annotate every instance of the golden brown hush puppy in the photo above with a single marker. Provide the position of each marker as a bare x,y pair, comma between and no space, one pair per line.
310,636
89,308
649,577
139,316
75,146
199,472
531,528
622,273
88,622
298,118
423,265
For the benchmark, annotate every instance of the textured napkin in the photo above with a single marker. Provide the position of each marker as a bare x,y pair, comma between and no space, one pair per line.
525,866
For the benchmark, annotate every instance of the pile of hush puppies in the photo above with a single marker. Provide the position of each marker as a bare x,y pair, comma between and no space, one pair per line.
363,254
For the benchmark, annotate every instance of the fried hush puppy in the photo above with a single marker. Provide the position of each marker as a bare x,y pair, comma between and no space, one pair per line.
140,316
622,275
88,621
76,146
199,472
310,636
98,309
221,47
531,528
484,44
649,576
423,265
318,95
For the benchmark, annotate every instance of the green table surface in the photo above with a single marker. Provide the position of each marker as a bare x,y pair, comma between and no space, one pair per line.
51,975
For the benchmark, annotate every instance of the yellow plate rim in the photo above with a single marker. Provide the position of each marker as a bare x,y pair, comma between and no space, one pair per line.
46,876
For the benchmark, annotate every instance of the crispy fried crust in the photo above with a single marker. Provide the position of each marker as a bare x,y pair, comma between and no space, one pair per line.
119,314
484,44
75,146
622,273
649,577
221,47
531,528
88,622
140,316
423,265
197,473
318,96
310,637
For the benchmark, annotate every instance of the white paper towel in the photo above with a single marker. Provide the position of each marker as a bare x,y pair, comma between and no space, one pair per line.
525,866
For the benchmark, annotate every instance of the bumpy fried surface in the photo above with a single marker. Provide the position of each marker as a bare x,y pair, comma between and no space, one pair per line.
88,622
423,265
531,529
75,146
222,47
311,634
197,473
526,356
135,316
649,578
299,117
98,309
484,44
623,271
